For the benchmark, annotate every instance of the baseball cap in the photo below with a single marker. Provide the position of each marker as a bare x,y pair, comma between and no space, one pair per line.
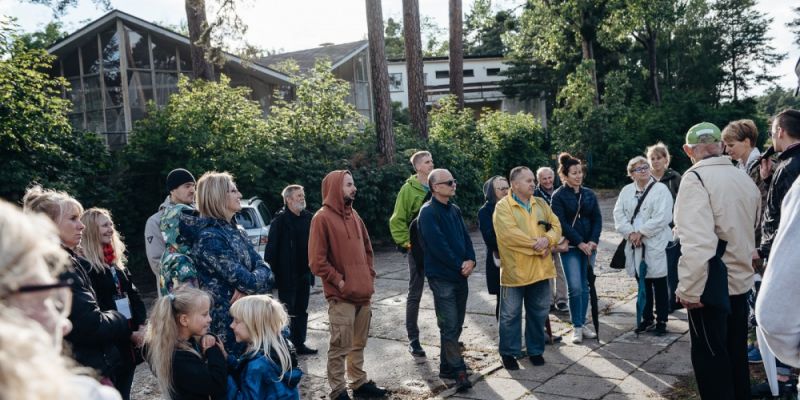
704,132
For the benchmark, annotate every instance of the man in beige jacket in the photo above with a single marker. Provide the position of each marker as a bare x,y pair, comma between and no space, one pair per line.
716,202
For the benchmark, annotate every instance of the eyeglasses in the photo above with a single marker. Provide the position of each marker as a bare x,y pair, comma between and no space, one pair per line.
503,189
643,168
451,182
52,297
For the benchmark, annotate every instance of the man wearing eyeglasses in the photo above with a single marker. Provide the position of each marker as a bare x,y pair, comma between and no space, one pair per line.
449,261
527,229
406,207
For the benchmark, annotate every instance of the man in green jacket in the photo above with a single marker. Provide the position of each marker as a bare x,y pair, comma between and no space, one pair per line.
406,207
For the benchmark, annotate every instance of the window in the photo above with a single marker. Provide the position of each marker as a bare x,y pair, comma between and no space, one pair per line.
468,73
444,74
492,71
139,54
396,82
164,54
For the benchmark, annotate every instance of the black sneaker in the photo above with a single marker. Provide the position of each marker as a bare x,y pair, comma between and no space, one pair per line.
510,363
448,375
537,360
462,382
370,390
304,350
416,349
660,329
645,326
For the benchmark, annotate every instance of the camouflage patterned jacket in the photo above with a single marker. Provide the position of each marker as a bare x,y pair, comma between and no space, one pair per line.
180,226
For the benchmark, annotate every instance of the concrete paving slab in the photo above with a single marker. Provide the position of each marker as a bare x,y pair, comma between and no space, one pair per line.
647,338
545,396
498,388
629,351
676,360
577,386
566,353
643,383
528,372
599,367
631,396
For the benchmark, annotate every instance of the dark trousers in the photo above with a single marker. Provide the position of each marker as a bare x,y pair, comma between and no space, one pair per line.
719,350
656,288
416,282
123,379
296,300
673,254
450,303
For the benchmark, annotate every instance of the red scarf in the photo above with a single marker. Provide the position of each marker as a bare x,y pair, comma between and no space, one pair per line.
108,253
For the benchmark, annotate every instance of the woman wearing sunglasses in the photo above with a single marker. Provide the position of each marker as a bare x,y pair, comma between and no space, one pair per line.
34,307
94,332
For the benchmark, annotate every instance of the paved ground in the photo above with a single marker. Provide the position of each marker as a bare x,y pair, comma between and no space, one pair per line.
619,366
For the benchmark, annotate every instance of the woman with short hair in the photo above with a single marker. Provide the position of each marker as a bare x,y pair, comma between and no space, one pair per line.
227,264
493,190
648,234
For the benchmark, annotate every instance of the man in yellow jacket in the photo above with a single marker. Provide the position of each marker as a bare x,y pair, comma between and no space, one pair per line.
526,232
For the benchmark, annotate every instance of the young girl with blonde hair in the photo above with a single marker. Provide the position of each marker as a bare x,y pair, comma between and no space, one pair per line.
267,369
102,246
187,362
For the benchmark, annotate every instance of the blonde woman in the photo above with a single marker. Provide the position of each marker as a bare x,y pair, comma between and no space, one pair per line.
94,332
33,313
648,233
227,264
187,361
267,369
103,248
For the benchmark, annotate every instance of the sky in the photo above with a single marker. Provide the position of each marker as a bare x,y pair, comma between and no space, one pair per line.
302,24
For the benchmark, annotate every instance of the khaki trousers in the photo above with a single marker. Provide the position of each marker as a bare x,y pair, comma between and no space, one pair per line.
349,330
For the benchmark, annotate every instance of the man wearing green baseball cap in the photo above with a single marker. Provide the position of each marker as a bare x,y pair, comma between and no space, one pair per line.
715,212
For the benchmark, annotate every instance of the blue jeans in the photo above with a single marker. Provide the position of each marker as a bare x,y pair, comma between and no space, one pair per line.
536,297
450,303
575,269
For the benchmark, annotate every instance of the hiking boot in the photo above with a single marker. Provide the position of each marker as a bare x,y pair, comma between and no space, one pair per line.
369,390
416,349
660,329
588,332
462,382
754,356
447,375
577,335
304,350
537,360
562,308
510,363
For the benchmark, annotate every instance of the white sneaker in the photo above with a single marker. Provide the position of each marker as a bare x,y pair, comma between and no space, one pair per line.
577,336
588,332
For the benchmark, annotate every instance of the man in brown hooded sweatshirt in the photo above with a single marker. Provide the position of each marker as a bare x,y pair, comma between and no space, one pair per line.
340,253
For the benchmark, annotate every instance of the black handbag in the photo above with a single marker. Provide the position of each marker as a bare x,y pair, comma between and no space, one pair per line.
618,260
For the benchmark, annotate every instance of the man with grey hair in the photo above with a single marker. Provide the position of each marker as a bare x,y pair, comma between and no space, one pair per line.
406,207
715,212
287,254
545,178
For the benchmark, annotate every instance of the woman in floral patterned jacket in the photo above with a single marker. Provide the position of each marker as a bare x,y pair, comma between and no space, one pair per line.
227,264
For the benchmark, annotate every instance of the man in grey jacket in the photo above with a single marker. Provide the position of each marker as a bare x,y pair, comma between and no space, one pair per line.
180,185
716,203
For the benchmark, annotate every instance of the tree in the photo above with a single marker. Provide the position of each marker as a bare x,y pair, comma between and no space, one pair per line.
199,40
416,82
745,45
794,25
393,39
380,81
59,7
483,31
456,52
51,33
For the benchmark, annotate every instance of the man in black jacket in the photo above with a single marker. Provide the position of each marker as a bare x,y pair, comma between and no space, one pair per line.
287,255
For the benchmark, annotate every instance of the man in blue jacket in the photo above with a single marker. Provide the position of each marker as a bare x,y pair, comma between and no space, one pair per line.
449,260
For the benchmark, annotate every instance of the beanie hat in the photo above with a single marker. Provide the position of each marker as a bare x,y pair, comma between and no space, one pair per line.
704,132
178,177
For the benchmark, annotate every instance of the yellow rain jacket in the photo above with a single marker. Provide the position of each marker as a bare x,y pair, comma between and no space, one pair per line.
517,230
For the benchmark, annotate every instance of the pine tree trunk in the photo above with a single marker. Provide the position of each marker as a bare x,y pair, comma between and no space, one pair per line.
380,81
653,70
457,52
416,82
199,39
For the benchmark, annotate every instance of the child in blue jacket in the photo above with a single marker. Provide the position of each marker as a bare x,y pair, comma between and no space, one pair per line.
267,370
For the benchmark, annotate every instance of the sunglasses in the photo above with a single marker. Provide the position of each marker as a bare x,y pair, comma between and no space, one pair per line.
451,182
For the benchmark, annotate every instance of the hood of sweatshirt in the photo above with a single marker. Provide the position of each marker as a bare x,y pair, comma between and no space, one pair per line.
332,193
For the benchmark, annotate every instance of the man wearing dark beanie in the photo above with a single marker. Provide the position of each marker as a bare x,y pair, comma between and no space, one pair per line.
180,185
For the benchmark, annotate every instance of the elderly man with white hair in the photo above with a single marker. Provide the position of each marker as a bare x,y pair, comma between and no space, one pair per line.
546,178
